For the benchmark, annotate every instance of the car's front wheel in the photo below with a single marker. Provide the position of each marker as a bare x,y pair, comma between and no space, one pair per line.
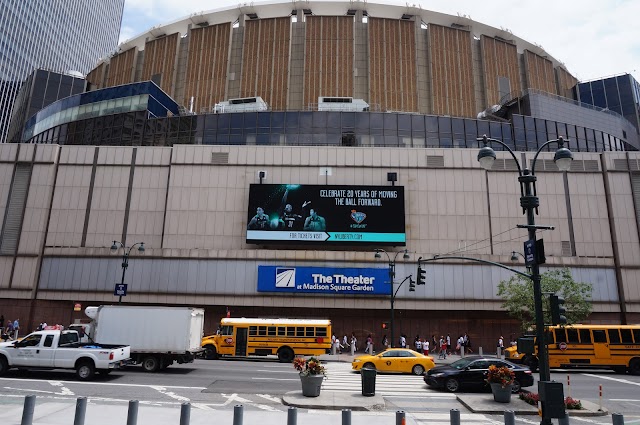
452,385
418,369
515,386
369,366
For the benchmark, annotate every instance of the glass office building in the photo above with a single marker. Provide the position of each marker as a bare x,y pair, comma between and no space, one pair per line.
619,94
54,34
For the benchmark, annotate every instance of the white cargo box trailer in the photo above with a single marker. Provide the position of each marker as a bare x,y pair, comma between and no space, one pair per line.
158,336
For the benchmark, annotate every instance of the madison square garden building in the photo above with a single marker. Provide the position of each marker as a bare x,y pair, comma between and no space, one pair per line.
263,154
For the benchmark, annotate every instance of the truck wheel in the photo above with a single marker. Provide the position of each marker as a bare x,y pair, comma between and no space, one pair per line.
210,352
4,366
150,364
285,355
85,370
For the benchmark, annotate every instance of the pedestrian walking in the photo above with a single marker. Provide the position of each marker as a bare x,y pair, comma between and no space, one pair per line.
369,348
434,343
16,328
500,346
418,345
345,341
385,342
425,347
354,343
448,343
403,341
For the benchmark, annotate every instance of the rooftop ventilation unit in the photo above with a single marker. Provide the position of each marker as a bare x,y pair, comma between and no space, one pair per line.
307,11
351,12
333,103
203,24
406,17
243,104
252,15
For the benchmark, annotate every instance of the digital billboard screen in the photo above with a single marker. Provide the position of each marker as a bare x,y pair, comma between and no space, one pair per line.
326,214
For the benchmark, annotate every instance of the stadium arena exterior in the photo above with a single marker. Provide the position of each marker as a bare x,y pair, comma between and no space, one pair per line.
148,155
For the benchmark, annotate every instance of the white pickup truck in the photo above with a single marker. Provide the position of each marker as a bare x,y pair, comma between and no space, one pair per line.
61,350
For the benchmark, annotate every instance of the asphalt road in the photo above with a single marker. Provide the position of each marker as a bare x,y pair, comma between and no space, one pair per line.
258,385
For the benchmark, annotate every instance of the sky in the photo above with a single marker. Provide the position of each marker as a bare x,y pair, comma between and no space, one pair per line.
593,38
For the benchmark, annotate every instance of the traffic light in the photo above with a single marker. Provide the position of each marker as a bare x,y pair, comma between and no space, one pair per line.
557,310
385,325
412,285
422,274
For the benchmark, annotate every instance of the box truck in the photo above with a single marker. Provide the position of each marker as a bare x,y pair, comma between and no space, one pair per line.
158,336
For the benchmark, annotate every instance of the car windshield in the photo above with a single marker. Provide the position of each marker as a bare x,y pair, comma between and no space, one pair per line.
461,364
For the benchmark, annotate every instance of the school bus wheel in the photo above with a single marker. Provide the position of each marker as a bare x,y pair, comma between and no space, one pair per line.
210,352
634,366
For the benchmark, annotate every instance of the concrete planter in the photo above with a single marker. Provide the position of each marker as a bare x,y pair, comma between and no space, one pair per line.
501,394
311,385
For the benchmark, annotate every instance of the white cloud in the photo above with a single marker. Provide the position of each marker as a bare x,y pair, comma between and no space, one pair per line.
593,38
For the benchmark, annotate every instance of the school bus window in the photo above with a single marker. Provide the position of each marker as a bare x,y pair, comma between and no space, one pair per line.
626,336
311,331
636,335
291,331
226,330
253,330
323,332
300,331
599,335
262,331
560,335
572,336
271,331
614,336
585,336
282,331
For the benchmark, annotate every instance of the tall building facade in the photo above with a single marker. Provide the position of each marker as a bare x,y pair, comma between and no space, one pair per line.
51,34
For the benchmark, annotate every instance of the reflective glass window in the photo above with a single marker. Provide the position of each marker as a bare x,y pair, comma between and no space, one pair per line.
519,133
432,123
333,120
223,123
591,140
471,133
417,123
305,120
404,123
362,121
277,119
320,120
585,336
264,119
582,140
291,119
599,335
250,120
348,119
573,137
495,128
377,120
444,126
390,123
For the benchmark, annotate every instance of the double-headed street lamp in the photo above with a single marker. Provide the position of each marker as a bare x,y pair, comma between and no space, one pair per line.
530,202
125,257
392,274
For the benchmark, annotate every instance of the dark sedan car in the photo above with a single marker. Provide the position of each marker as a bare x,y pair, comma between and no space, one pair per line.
470,373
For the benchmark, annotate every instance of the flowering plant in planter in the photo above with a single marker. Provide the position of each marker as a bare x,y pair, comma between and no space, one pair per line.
500,375
533,398
310,366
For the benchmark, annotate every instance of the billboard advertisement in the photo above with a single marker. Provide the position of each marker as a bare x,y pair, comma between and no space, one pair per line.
323,280
331,214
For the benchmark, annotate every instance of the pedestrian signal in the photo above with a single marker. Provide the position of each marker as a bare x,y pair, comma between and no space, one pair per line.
385,325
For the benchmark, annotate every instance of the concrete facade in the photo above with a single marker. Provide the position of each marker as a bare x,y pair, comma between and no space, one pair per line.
191,214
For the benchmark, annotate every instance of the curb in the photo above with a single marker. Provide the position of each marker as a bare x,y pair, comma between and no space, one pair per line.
331,400
486,405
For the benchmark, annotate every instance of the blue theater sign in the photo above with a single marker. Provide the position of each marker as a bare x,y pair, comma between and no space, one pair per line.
323,280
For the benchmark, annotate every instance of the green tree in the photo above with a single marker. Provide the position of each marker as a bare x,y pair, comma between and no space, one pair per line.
517,296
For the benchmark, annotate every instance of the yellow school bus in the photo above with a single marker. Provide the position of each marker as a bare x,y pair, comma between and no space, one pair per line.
615,347
285,338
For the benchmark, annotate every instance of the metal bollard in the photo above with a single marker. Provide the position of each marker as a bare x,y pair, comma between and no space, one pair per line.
292,416
509,417
132,415
238,412
499,352
454,414
185,413
346,416
565,420
480,351
27,410
400,418
81,411
617,418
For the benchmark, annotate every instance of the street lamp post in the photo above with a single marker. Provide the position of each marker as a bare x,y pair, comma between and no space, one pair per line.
530,202
392,274
125,257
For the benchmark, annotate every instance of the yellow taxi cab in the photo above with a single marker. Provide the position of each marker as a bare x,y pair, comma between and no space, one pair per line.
401,360
511,354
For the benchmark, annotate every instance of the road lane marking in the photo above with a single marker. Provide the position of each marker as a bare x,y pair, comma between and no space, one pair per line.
269,397
622,381
65,390
40,391
623,399
107,384
163,390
